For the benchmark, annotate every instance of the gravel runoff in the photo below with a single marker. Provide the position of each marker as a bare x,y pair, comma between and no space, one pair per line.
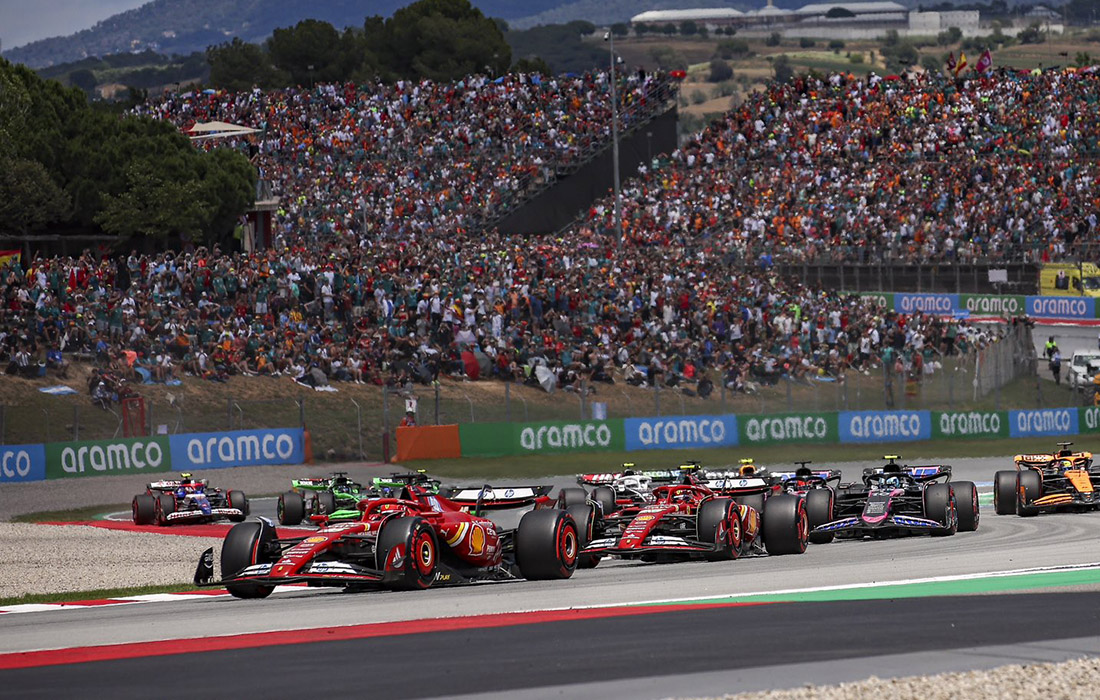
1070,680
56,559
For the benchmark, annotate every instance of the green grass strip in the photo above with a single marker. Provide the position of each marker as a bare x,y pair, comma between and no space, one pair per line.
72,514
992,584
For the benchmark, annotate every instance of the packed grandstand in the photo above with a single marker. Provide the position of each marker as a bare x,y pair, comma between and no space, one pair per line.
387,266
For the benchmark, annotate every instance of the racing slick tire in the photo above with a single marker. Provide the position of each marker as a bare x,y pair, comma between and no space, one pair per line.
144,508
584,516
245,545
755,501
719,521
572,497
547,544
324,503
785,527
1004,492
416,568
166,505
605,497
819,510
1029,487
291,508
966,505
939,505
237,499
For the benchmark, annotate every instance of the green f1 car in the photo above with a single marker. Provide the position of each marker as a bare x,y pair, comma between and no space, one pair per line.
337,497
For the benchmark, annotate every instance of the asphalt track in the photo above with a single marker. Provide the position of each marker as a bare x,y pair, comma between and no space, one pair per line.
728,645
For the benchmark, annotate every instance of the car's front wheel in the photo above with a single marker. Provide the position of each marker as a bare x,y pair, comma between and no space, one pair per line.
408,553
245,545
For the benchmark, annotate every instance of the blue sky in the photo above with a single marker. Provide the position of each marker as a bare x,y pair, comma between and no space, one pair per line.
24,21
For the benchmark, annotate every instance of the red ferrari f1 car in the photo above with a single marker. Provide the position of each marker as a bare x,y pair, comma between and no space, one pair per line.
414,541
691,521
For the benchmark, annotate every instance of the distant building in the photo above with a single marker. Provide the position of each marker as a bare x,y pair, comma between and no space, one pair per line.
929,23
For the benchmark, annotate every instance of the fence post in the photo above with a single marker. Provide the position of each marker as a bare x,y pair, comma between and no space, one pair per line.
359,428
657,397
76,424
583,395
228,413
787,381
437,402
301,412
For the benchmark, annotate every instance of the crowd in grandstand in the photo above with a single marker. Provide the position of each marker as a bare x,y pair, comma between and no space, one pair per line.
834,169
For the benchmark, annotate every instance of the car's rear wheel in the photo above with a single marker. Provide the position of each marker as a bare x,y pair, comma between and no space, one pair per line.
408,553
144,508
291,508
939,505
547,545
584,515
166,505
719,521
605,497
1004,492
785,527
324,503
966,505
245,545
1029,487
819,510
572,497
755,501
238,500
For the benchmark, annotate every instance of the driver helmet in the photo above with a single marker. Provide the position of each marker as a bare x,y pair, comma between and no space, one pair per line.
681,496
748,469
628,468
892,482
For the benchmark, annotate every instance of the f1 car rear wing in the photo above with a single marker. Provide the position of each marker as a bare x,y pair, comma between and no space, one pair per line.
173,484
608,478
491,497
922,472
826,475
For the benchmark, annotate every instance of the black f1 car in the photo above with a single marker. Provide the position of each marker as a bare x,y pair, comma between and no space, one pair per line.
1064,480
187,500
896,500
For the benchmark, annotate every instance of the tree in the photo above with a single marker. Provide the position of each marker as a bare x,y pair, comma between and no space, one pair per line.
668,29
773,39
719,71
309,52
239,66
733,47
930,63
1082,59
782,68
836,45
83,79
891,38
29,198
641,29
806,42
839,13
1032,35
154,205
532,65
620,29
689,28
444,40
951,35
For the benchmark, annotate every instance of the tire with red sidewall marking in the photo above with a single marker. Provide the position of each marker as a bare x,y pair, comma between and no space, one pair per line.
719,521
819,510
408,552
966,505
237,499
166,505
547,545
939,505
584,516
1029,487
144,509
785,526
245,545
